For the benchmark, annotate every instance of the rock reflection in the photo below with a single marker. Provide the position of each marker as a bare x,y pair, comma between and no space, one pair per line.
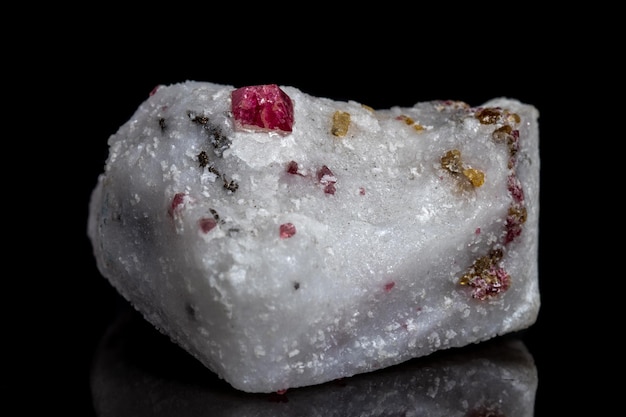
139,372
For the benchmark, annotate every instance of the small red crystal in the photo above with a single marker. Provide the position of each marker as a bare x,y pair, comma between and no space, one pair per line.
494,281
292,168
177,201
326,177
513,227
287,230
154,90
515,188
207,224
264,108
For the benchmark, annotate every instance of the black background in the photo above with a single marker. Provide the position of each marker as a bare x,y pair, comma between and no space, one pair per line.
90,77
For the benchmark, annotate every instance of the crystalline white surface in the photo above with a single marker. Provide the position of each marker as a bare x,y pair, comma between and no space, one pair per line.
372,276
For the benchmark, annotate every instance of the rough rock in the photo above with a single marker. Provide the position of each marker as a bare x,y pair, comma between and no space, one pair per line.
287,240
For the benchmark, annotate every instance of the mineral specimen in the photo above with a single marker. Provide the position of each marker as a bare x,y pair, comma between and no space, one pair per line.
286,240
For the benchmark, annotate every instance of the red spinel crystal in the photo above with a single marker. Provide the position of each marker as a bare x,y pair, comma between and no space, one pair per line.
513,227
287,230
326,177
330,188
515,188
177,201
154,90
207,224
264,108
493,282
292,167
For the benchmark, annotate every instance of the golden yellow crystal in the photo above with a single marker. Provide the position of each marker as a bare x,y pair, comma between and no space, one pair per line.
451,161
476,177
341,123
488,116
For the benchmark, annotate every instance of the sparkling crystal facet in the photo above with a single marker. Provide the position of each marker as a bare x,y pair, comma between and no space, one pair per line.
262,107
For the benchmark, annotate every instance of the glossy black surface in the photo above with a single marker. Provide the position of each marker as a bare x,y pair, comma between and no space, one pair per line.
99,83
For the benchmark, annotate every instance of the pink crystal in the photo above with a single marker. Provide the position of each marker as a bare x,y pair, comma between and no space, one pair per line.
497,282
326,177
292,167
264,108
287,230
515,187
177,201
513,227
207,224
155,89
